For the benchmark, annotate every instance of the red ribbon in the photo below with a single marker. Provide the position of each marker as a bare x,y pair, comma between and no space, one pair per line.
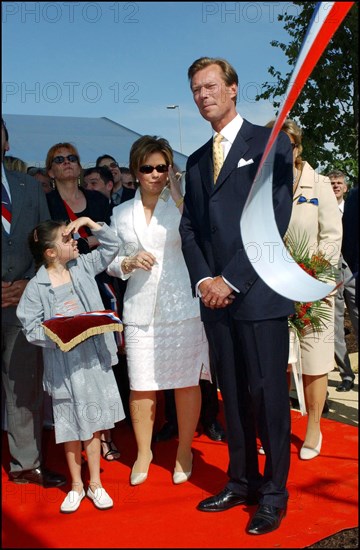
72,216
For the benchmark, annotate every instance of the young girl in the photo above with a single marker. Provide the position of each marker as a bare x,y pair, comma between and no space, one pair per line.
81,381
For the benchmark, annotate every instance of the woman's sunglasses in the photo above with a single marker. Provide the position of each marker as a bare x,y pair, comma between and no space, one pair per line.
147,169
60,159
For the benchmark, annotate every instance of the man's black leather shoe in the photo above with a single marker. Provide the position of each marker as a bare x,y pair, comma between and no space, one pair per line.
168,431
223,501
267,518
215,431
39,476
345,385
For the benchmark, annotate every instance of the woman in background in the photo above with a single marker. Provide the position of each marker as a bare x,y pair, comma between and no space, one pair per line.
315,215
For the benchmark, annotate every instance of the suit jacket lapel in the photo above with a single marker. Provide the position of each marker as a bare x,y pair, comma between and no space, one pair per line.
154,232
206,168
139,220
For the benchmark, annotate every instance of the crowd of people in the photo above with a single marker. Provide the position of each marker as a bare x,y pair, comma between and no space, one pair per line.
197,318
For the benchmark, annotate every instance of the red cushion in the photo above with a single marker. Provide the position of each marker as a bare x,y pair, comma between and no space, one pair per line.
67,332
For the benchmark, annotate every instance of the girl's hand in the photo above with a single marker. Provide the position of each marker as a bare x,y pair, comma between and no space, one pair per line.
75,225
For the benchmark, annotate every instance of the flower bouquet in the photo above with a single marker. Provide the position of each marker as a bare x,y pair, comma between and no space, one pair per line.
309,317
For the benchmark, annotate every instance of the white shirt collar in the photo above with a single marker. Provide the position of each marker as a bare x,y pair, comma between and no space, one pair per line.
230,131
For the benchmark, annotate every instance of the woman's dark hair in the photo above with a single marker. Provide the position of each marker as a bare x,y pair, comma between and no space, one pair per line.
145,146
42,238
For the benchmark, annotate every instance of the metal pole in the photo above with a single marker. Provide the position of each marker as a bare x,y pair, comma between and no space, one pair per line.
177,107
180,130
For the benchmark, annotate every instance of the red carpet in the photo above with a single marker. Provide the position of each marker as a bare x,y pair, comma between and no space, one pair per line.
157,514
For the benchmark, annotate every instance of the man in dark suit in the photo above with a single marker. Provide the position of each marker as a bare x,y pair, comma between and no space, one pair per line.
345,296
350,244
23,207
245,320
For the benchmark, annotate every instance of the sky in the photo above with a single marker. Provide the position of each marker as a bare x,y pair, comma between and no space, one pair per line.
128,61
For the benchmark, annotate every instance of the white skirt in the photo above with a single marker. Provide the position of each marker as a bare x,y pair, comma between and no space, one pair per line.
163,356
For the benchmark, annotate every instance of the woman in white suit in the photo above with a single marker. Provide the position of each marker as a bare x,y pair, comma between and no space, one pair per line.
166,344
315,214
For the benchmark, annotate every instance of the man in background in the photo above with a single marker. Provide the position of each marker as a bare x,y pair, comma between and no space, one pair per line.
120,194
23,207
345,296
126,178
99,178
41,175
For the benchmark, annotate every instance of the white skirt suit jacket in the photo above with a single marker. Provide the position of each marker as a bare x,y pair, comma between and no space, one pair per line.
322,224
158,304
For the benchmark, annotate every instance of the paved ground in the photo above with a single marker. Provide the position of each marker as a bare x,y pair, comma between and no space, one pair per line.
343,405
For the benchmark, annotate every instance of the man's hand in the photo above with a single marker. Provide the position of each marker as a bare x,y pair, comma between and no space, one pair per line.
215,293
12,292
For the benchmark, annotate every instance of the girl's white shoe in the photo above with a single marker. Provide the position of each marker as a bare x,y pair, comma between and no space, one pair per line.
100,498
72,502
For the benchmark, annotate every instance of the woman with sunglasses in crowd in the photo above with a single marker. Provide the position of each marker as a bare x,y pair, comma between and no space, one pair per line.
69,200
166,344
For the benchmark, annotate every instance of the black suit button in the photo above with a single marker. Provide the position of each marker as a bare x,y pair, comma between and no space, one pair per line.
9,243
10,269
213,229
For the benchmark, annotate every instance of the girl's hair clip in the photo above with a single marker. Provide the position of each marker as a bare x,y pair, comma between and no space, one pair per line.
35,235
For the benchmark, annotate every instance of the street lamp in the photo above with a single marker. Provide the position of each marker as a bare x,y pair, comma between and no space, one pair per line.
177,107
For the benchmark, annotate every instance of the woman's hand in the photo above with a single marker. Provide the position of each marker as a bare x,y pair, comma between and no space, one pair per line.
175,186
143,260
75,225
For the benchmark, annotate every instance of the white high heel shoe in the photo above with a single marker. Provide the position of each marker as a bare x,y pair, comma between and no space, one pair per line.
181,477
138,478
307,453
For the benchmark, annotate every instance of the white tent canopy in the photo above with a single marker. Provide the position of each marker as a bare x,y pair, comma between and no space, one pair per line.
31,136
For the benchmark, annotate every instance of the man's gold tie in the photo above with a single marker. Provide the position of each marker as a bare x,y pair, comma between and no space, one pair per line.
218,155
